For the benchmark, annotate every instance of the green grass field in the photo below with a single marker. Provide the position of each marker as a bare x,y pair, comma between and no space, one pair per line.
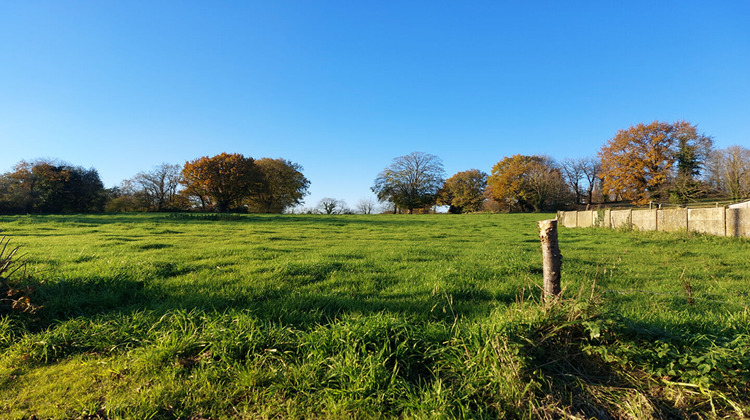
258,316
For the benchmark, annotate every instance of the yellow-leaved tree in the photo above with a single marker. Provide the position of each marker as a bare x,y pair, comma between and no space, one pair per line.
463,191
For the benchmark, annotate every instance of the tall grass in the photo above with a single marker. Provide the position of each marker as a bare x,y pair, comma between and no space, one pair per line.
161,316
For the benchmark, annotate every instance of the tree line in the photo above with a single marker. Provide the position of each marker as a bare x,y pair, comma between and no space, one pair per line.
222,183
656,162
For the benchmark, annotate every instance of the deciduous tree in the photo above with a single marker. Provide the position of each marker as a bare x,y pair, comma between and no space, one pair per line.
582,176
639,162
283,186
51,187
526,183
124,198
411,181
224,181
730,171
464,191
366,206
159,187
332,206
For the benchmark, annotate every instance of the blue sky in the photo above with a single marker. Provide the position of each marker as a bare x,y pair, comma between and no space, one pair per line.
343,87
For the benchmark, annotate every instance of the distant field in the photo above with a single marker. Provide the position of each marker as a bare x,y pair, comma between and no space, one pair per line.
255,316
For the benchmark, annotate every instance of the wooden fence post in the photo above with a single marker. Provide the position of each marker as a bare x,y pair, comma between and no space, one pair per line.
551,258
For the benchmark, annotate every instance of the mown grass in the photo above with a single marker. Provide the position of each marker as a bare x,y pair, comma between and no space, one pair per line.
254,316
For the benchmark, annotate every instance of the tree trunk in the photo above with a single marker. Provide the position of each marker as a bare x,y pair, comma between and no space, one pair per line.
551,258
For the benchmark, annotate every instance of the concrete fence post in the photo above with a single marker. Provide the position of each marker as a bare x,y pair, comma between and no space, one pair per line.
551,259
630,219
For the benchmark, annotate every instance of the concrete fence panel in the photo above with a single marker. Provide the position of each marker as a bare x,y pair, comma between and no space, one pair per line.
586,218
707,220
620,218
569,219
602,218
738,222
672,220
644,219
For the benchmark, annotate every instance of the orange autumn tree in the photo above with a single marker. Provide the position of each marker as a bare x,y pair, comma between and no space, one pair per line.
639,162
223,181
526,183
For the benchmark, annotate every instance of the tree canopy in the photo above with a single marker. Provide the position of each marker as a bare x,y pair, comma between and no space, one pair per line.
640,161
283,186
158,188
410,181
582,175
223,181
45,186
463,191
526,183
329,205
729,171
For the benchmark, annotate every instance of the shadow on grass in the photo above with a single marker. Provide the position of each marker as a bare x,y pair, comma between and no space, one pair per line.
292,303
70,298
321,307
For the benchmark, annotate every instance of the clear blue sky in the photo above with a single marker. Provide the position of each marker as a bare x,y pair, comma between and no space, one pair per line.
343,87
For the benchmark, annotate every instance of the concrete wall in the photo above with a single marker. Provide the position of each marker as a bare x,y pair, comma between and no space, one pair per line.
708,220
714,221
738,222
644,219
672,220
569,219
620,218
586,218
602,218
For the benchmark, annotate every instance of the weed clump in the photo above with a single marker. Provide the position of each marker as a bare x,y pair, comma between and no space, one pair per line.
13,296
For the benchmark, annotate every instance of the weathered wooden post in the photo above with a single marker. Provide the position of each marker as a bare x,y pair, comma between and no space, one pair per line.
551,258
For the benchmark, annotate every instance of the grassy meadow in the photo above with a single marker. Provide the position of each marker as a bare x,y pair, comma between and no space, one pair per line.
195,316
